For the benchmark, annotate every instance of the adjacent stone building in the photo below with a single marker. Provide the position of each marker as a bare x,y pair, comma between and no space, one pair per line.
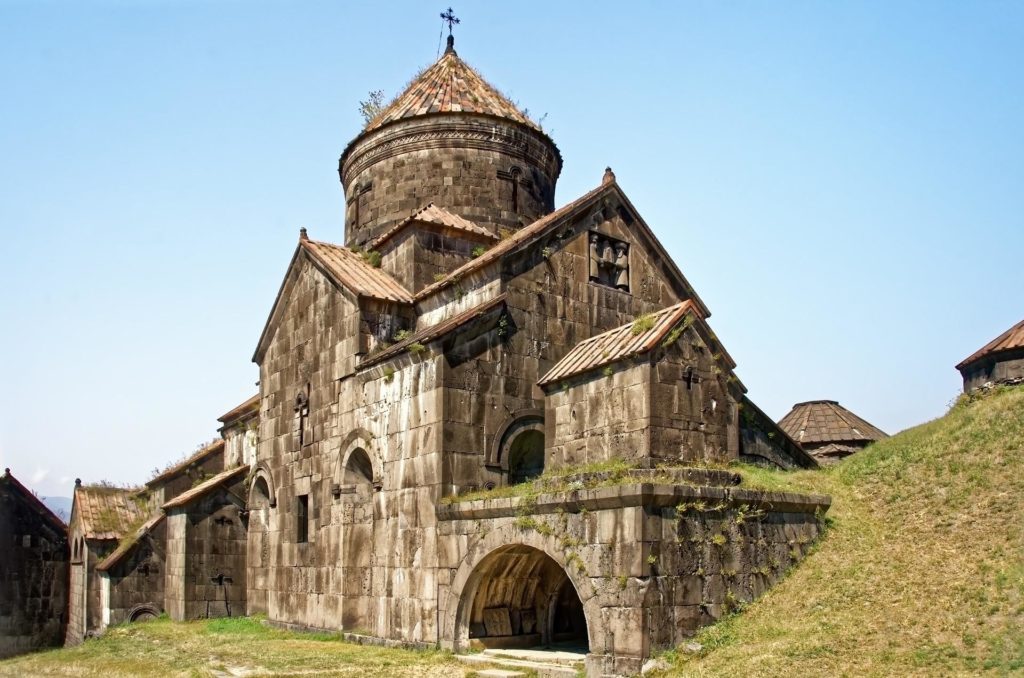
33,571
468,336
1001,361
828,431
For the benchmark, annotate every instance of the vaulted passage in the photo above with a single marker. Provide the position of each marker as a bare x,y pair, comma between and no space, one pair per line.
519,597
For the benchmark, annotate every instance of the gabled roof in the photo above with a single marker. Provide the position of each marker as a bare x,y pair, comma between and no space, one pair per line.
760,419
350,270
32,500
343,267
1009,340
107,512
826,421
449,86
533,233
129,542
203,488
436,216
434,331
199,456
625,341
249,407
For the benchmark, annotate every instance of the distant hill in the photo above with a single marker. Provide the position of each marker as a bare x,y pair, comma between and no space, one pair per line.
920,573
59,505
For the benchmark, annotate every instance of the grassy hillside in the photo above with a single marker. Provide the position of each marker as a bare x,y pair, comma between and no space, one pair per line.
921,572
227,647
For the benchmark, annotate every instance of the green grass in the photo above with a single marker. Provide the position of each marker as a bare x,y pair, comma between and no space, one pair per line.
220,646
921,571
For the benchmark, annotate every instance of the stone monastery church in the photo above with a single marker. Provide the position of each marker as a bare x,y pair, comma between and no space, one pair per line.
481,422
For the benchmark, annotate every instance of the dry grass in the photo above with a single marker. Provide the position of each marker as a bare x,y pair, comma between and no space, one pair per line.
922,572
227,647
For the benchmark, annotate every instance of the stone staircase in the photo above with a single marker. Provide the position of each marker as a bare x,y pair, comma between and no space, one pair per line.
508,663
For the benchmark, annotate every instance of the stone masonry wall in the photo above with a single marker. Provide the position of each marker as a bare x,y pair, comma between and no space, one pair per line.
650,563
453,161
999,368
34,580
214,558
138,580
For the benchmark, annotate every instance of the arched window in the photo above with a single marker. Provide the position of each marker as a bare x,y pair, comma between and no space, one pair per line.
518,449
526,456
358,469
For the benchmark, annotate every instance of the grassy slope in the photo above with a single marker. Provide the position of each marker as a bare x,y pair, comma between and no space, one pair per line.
226,647
922,571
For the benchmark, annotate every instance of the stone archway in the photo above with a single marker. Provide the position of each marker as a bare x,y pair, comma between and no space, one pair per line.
143,613
519,596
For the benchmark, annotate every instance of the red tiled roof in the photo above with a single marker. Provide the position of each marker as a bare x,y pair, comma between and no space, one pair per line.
1010,339
206,451
437,216
353,272
34,501
449,86
622,342
250,406
434,331
826,421
129,542
202,488
521,236
107,512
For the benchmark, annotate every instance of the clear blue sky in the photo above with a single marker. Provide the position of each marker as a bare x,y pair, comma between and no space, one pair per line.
840,181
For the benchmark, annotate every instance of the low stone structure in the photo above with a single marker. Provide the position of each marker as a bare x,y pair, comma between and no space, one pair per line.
33,571
828,431
1001,361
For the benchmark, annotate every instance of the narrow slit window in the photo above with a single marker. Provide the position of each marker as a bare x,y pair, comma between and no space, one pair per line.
302,519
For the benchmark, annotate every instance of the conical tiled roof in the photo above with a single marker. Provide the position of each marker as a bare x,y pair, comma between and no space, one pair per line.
826,421
449,86
1012,338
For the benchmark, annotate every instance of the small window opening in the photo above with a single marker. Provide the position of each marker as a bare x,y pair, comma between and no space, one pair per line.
302,519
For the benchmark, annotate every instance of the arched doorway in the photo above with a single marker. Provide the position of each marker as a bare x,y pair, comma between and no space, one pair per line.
519,597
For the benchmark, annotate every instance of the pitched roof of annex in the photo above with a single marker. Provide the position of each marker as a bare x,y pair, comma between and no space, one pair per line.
199,455
826,421
1009,340
129,541
435,216
107,512
352,271
450,85
632,339
205,487
249,407
29,496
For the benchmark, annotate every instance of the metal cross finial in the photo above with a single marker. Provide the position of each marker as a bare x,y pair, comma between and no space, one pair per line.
449,16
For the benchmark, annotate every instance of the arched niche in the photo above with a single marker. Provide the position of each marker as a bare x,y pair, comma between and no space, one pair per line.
358,469
518,447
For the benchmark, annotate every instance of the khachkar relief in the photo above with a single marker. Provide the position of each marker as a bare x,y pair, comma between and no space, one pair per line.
609,261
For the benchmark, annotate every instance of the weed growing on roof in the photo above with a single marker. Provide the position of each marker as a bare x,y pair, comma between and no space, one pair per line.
401,335
438,277
372,257
389,373
477,251
608,370
643,324
416,348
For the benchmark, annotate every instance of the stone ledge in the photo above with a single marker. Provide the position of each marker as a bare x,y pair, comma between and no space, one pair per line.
654,495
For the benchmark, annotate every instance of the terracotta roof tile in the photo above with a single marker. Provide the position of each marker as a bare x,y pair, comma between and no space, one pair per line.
107,512
206,486
619,343
434,331
207,451
1012,338
521,236
353,272
449,86
437,216
826,421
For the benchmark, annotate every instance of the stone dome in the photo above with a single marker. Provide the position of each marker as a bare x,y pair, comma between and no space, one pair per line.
452,139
